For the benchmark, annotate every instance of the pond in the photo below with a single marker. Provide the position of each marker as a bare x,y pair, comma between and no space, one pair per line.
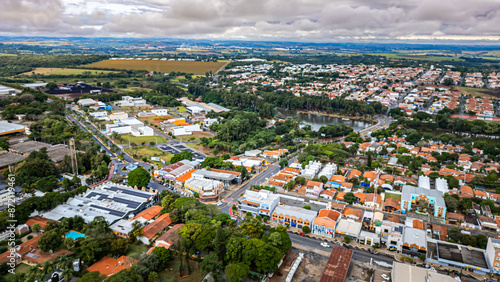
317,121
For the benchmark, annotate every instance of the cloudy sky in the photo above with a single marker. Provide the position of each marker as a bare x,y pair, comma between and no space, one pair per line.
298,20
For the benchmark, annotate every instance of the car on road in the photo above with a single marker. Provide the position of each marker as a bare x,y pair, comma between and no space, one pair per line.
385,277
219,204
326,245
302,234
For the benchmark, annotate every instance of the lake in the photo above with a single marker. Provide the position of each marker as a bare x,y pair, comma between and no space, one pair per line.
317,121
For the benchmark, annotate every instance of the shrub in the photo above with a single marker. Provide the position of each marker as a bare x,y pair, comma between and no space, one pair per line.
347,239
306,229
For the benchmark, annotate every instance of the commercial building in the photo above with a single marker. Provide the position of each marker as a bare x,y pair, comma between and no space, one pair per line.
434,200
55,152
160,112
118,116
338,264
128,101
9,158
177,169
458,256
293,216
10,128
260,203
493,254
348,227
184,129
109,200
226,177
91,104
409,273
324,224
130,125
207,189
414,242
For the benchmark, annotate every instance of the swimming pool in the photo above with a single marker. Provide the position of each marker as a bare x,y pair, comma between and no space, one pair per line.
74,235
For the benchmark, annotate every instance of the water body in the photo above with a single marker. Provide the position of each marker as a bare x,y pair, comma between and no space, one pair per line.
317,121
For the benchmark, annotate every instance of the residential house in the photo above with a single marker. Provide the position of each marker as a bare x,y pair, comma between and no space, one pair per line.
328,194
168,238
313,188
493,254
391,204
150,230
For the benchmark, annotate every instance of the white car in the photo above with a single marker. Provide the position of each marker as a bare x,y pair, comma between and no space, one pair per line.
385,277
326,245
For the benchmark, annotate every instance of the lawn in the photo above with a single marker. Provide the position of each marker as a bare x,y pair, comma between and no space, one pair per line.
195,136
63,71
140,139
392,196
194,67
172,273
135,250
481,92
148,152
21,268
181,109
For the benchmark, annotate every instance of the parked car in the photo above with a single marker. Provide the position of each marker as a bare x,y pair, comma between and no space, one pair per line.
385,277
326,245
302,234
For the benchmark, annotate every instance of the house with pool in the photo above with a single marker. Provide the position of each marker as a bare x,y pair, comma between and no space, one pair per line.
423,201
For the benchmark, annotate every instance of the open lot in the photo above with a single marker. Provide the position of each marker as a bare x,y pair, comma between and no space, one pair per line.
148,152
481,92
177,148
135,250
193,67
63,71
177,272
22,268
142,139
195,136
155,120
393,196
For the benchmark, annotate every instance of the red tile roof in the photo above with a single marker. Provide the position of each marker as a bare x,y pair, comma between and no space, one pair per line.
149,213
109,266
337,266
156,226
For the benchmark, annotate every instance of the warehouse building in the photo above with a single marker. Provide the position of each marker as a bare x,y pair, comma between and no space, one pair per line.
7,128
109,200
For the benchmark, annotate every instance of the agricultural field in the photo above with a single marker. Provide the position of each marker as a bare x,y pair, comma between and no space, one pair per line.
193,67
481,92
419,57
62,71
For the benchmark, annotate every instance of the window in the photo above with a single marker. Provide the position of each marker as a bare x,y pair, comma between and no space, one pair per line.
498,258
496,264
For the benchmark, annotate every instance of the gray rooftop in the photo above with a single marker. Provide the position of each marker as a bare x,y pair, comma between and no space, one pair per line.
297,212
7,127
461,254
8,158
408,190
215,175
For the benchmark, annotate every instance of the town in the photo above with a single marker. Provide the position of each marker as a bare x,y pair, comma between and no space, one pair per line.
260,169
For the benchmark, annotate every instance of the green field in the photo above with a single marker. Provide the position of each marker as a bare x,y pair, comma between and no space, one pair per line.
148,152
181,109
481,92
140,139
419,57
172,273
63,71
21,268
392,196
194,67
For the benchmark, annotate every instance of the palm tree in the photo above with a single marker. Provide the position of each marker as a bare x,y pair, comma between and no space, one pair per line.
63,261
67,273
48,266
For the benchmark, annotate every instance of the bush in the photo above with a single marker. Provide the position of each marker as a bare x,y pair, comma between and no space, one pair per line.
30,237
404,259
347,239
306,229
422,257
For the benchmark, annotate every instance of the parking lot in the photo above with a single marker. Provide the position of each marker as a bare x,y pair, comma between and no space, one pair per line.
177,148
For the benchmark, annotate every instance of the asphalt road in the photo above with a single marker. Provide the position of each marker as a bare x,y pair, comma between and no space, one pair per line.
261,177
357,255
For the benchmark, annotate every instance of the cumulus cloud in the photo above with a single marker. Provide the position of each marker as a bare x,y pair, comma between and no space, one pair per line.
300,20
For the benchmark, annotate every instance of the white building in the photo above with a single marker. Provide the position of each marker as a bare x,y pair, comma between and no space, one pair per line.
99,114
194,110
160,112
118,116
128,101
424,182
184,130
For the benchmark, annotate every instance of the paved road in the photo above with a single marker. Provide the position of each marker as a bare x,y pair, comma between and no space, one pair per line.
383,122
357,255
261,177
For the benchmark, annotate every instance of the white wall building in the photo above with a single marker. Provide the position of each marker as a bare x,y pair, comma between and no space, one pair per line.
160,112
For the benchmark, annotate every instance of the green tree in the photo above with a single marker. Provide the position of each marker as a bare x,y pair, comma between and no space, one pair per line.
235,272
36,228
349,198
139,177
306,229
347,239
50,240
93,276
422,257
164,255
183,155
211,263
307,207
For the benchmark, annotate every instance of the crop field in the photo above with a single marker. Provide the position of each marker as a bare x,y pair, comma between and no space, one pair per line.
193,67
61,71
419,57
